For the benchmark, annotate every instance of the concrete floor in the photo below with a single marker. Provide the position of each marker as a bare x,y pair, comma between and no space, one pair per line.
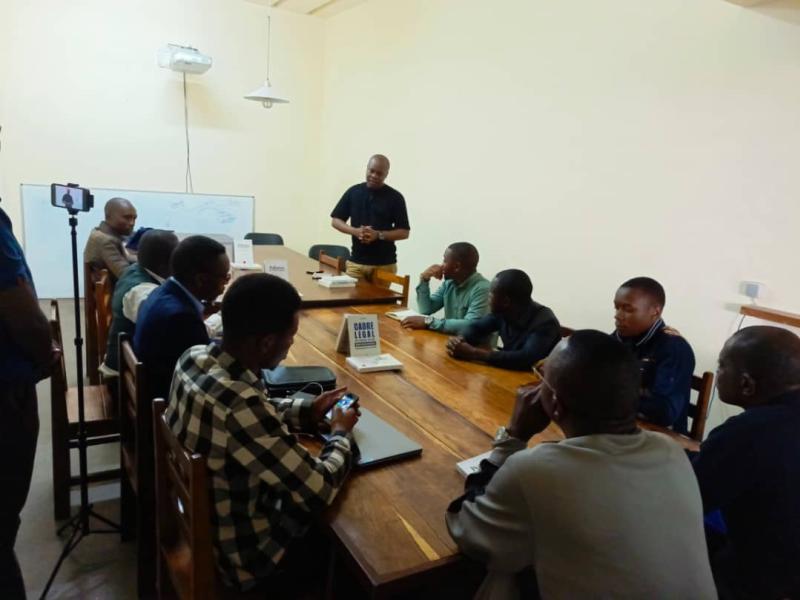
101,566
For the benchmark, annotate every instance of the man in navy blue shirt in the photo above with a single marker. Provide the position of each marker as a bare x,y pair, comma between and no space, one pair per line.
749,467
171,319
25,354
378,219
666,359
529,331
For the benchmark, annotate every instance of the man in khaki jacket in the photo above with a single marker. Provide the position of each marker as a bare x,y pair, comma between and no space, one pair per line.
104,249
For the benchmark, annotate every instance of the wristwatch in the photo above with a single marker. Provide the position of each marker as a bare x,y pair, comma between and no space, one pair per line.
380,235
428,321
501,435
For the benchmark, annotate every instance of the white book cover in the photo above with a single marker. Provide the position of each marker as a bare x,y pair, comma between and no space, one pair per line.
334,281
399,315
370,364
472,465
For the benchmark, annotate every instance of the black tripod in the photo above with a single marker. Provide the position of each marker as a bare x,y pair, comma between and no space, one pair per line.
80,522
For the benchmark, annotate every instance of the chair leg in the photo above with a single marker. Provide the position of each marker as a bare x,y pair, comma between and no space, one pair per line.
127,509
61,475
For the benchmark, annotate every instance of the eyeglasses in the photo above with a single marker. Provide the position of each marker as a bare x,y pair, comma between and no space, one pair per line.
538,372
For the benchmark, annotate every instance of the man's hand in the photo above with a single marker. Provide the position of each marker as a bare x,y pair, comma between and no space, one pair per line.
324,402
529,416
343,421
434,271
415,322
458,348
368,235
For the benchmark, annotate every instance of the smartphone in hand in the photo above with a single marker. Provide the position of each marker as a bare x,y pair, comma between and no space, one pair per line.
346,402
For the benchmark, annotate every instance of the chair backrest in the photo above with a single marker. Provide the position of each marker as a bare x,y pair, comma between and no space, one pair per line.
90,275
698,412
183,518
382,276
135,420
103,291
566,331
265,239
330,250
58,374
337,263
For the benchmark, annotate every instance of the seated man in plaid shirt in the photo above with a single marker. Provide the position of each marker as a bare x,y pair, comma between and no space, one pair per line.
265,484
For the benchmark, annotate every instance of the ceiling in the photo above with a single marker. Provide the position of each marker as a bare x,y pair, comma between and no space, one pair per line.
320,8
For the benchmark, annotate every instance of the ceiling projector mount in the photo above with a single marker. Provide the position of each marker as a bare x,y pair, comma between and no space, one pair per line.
183,59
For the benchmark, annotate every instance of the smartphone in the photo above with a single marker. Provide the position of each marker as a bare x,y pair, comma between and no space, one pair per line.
346,402
71,197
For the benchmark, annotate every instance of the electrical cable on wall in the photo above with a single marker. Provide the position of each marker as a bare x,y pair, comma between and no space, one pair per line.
188,178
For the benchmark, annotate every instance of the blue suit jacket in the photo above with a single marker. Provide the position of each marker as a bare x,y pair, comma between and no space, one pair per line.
168,323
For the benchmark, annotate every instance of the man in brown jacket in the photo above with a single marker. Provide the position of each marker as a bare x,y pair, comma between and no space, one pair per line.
104,249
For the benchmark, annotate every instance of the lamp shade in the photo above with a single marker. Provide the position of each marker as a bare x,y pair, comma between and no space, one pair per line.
267,95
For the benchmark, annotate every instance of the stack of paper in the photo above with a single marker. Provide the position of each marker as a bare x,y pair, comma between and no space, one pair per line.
337,281
378,362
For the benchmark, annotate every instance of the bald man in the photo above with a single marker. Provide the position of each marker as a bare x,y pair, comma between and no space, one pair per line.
104,248
609,512
749,467
378,218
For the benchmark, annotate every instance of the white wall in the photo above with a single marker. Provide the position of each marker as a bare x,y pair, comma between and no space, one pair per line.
586,142
86,102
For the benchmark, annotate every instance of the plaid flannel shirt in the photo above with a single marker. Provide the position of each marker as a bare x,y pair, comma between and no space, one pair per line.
264,484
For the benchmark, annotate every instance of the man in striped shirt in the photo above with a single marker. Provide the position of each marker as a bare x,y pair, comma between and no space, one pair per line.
265,484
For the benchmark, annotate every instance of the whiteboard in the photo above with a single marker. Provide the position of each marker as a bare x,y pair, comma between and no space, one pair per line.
46,228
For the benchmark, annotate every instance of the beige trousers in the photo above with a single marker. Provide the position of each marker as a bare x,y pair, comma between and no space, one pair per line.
365,271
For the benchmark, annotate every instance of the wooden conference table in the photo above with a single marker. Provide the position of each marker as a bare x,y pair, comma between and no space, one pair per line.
390,521
315,295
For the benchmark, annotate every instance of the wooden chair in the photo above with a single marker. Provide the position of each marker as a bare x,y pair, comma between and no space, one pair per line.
103,291
698,412
330,250
137,482
101,423
90,323
265,239
404,281
337,263
186,567
566,331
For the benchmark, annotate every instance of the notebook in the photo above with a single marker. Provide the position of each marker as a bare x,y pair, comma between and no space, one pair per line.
399,315
472,465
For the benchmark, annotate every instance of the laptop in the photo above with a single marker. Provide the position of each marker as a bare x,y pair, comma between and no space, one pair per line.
378,441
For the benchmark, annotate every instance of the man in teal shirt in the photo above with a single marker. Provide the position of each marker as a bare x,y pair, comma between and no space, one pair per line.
464,293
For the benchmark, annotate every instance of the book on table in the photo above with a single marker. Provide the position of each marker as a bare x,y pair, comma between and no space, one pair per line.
360,338
337,281
399,315
472,465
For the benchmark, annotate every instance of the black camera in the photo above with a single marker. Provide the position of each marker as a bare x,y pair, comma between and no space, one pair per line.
71,196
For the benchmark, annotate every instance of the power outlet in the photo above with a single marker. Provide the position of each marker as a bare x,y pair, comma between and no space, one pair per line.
752,289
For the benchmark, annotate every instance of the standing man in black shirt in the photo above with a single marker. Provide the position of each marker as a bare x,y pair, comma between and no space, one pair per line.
378,219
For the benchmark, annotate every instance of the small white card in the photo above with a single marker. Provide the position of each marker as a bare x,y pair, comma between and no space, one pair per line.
243,252
279,268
